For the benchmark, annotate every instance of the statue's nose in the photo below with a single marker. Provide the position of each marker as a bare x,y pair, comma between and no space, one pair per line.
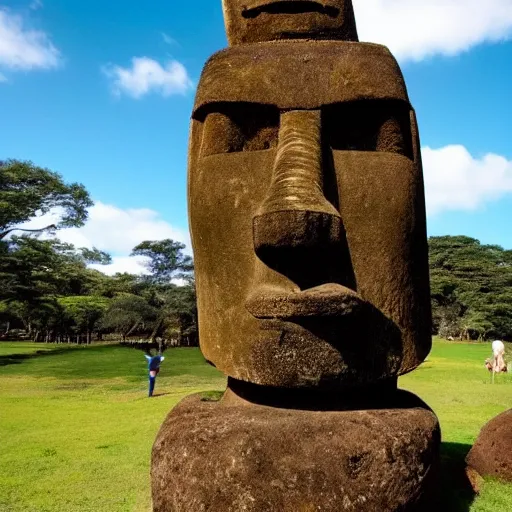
296,220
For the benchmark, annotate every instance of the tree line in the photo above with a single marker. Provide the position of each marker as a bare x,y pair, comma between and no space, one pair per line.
49,292
471,288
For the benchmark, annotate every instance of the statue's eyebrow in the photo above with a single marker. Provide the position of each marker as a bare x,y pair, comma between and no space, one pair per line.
290,7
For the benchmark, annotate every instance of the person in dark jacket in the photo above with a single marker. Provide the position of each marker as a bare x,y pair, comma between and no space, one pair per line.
153,369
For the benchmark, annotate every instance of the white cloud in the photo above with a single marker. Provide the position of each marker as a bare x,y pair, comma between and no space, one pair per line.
116,231
416,29
455,180
168,39
147,75
36,5
22,48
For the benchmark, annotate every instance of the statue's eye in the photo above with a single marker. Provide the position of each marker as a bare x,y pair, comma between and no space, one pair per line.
368,126
240,127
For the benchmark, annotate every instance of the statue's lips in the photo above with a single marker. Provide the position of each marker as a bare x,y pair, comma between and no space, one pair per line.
328,300
253,8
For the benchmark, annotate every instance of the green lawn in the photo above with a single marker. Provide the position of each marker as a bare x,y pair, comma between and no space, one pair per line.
456,385
76,428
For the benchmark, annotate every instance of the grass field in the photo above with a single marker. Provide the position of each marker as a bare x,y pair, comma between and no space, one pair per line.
76,428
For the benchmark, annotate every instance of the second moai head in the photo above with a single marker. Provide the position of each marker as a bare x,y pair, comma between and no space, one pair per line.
251,21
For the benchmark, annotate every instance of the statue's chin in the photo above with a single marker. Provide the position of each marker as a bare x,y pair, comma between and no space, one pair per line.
323,352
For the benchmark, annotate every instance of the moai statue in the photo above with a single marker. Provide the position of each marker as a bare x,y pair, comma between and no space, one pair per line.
307,216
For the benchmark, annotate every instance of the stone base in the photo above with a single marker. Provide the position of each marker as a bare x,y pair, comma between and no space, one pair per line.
232,455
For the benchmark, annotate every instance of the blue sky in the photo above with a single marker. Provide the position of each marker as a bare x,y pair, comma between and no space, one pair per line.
101,91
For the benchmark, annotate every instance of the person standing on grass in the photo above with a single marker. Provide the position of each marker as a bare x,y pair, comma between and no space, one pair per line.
153,369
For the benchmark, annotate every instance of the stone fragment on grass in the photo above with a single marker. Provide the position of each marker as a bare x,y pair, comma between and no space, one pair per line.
491,455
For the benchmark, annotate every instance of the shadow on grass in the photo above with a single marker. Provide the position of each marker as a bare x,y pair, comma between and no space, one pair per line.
20,358
156,395
455,492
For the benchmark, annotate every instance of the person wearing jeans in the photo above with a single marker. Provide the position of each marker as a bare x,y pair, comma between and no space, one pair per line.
153,369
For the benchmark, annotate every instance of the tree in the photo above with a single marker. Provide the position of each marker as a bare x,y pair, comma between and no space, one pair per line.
10,314
95,256
166,260
471,287
34,273
126,313
121,283
83,314
180,313
31,268
27,191
172,290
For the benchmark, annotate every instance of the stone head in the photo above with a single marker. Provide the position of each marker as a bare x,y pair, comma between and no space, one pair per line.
307,216
251,21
